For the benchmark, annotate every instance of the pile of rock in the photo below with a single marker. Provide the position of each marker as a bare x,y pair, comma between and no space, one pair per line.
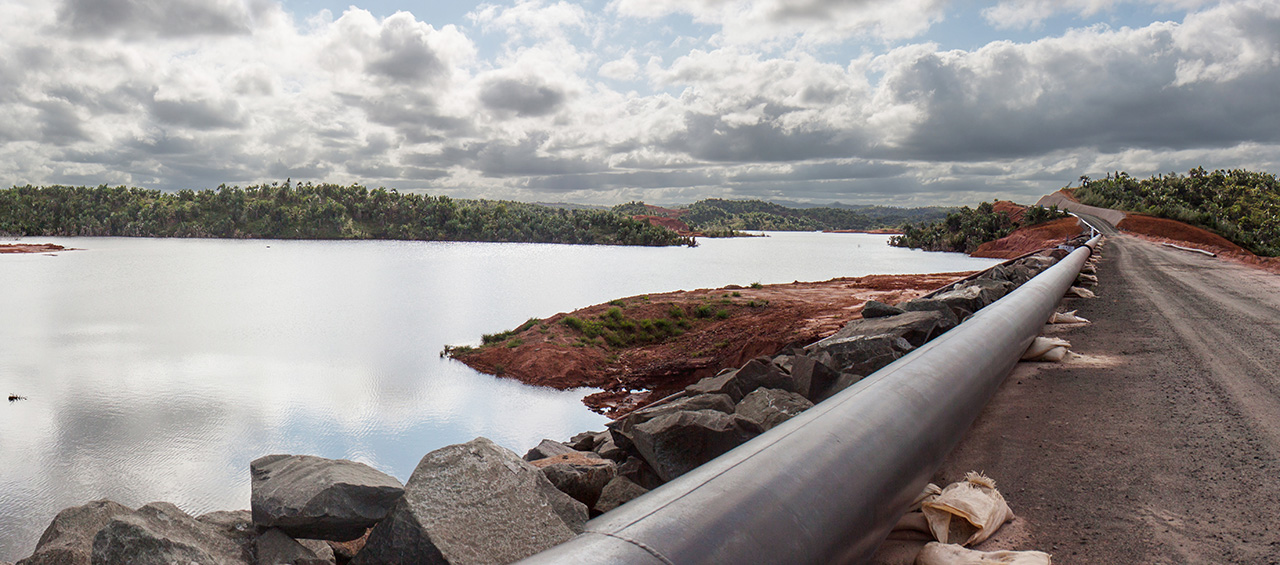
470,503
658,443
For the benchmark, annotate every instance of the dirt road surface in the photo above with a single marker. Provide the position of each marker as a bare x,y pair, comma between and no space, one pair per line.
1162,443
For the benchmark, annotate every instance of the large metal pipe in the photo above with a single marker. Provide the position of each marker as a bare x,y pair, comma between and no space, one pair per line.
828,485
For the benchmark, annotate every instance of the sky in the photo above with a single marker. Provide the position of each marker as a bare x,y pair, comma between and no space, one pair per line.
896,102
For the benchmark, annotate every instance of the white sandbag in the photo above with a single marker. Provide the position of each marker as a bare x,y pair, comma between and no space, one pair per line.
967,512
1079,292
1086,277
912,526
930,492
1042,346
935,553
1067,318
1053,355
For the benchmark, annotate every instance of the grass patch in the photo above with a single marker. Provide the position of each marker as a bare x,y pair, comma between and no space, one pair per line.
703,311
736,294
722,314
617,330
757,285
514,343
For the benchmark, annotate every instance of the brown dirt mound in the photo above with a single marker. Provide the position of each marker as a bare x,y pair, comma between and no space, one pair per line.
31,248
741,323
1176,231
1015,211
1162,230
1027,240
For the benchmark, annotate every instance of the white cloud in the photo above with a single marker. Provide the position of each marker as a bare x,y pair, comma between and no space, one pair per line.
625,68
398,102
815,21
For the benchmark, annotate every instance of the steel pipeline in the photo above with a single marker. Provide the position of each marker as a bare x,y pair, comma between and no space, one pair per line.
828,485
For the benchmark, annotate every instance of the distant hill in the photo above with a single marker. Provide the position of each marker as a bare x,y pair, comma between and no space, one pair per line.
306,211
719,215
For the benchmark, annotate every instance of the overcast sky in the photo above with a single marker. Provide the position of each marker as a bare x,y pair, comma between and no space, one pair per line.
904,102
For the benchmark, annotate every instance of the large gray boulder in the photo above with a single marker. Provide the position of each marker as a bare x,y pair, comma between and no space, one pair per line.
622,429
950,318
160,533
475,502
578,474
812,376
845,380
235,525
275,547
915,327
619,491
737,383
770,406
318,498
877,309
69,538
862,354
676,443
639,472
547,448
609,449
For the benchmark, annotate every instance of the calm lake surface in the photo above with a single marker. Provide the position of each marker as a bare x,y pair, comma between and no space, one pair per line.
156,369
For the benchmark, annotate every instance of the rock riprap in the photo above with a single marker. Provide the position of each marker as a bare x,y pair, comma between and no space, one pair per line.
475,502
770,406
581,475
676,443
69,538
162,533
318,498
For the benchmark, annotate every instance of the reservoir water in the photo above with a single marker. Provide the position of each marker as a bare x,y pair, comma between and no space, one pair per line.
156,369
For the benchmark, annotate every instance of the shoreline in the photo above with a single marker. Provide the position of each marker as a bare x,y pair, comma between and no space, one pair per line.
641,348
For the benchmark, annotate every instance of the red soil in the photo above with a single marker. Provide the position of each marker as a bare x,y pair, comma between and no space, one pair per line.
31,248
761,321
1014,211
1162,230
666,222
665,212
1026,240
1175,231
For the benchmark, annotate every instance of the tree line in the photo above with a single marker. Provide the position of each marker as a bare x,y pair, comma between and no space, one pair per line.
307,211
965,229
716,215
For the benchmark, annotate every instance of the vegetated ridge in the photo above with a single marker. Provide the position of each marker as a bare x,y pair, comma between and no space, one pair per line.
966,229
715,216
307,211
1239,205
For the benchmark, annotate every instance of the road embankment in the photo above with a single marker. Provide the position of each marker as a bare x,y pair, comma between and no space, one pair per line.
1160,443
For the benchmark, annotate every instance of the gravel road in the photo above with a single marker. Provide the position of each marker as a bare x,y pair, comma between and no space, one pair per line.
1162,443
